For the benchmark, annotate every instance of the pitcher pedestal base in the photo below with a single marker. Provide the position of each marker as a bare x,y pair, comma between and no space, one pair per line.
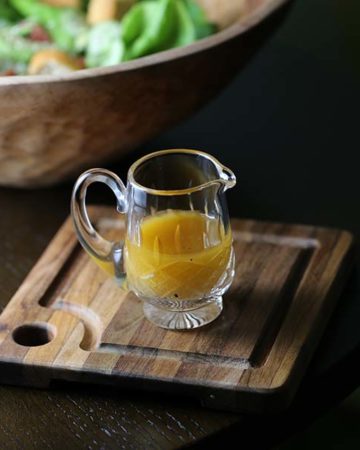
184,320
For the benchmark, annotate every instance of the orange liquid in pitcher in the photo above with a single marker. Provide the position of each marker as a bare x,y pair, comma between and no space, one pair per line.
180,254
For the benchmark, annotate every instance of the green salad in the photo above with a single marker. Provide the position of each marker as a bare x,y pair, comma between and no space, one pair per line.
60,36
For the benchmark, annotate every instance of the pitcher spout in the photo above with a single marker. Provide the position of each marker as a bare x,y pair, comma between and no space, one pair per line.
227,178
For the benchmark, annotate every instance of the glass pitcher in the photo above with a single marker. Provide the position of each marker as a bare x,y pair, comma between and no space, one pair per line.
177,253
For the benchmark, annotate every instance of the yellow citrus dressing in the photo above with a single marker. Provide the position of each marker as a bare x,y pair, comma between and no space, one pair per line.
180,254
107,266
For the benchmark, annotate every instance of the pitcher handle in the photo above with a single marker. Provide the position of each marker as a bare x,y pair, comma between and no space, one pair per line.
102,250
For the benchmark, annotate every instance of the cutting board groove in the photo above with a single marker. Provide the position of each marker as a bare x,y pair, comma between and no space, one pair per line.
68,321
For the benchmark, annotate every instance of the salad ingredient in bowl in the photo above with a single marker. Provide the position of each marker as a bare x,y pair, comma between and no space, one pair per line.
60,36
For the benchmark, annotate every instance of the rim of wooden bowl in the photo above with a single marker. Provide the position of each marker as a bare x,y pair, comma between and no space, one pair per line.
245,23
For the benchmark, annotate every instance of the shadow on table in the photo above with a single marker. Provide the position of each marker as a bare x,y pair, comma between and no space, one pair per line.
338,429
300,426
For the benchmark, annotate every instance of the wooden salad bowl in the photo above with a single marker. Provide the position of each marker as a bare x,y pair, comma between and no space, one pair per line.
53,127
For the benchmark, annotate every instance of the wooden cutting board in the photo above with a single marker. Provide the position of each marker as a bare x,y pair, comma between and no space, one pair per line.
69,321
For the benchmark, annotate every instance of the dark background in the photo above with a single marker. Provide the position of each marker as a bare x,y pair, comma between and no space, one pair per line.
289,127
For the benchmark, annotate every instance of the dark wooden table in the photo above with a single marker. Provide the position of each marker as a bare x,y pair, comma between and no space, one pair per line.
288,126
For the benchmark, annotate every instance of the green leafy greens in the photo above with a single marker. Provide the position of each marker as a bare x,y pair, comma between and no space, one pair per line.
149,26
